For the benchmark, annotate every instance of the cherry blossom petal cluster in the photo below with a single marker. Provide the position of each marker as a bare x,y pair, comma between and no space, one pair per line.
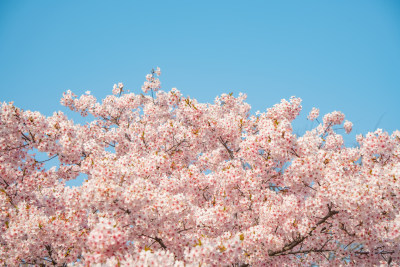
171,181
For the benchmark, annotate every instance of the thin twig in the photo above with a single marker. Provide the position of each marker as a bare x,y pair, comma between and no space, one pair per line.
47,159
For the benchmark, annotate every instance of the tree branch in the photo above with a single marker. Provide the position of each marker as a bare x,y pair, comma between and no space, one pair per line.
42,161
230,152
300,239
159,240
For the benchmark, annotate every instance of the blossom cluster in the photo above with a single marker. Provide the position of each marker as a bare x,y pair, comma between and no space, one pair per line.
175,182
152,83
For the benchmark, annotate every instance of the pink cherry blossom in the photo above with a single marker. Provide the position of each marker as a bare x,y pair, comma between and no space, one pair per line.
333,118
314,113
348,126
172,181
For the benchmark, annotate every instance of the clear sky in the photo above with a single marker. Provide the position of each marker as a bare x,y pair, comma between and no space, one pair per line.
335,55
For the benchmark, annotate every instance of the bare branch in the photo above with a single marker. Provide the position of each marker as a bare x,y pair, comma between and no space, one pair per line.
42,161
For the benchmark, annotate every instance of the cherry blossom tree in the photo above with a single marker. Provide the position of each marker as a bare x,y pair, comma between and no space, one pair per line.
174,182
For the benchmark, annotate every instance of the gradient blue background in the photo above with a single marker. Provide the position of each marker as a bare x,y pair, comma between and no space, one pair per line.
335,55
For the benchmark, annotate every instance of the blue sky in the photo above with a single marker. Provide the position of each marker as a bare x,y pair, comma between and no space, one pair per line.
335,55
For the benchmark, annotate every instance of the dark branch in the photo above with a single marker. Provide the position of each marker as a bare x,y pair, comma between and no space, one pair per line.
56,155
230,152
300,239
9,149
159,240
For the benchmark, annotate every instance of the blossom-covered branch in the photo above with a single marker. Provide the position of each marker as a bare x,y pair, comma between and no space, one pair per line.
175,182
